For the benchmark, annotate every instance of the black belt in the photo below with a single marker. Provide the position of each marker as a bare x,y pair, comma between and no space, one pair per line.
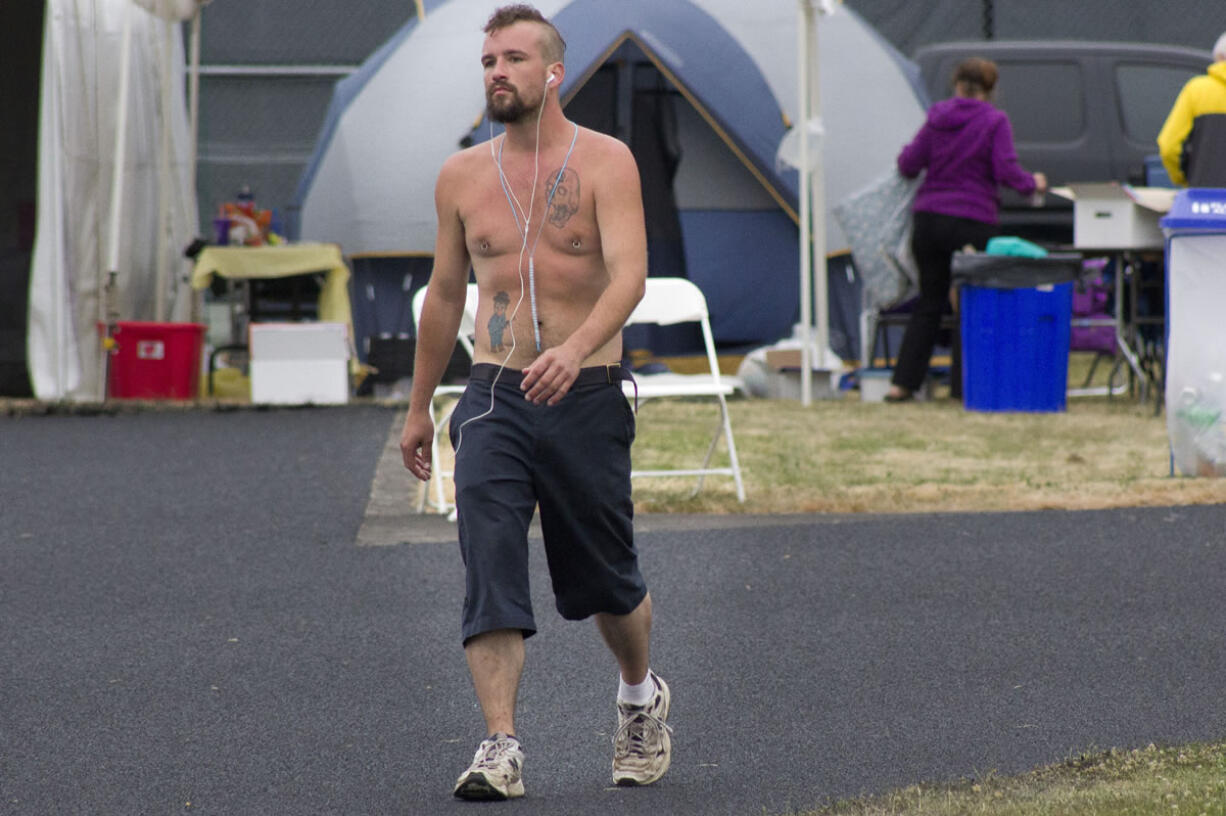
593,375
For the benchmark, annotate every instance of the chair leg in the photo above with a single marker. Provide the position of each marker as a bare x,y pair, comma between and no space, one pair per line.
1121,370
706,461
436,477
725,424
883,334
423,493
434,484
868,332
436,473
732,458
1093,367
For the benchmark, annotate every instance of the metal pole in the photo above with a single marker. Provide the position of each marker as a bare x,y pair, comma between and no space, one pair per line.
162,265
817,201
804,22
121,141
111,272
193,92
193,116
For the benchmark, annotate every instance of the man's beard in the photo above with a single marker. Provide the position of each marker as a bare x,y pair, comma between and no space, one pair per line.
509,109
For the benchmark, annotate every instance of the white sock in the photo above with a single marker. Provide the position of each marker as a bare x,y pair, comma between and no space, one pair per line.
639,695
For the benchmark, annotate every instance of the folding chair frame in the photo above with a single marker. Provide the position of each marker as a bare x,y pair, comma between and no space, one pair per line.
667,301
440,413
670,301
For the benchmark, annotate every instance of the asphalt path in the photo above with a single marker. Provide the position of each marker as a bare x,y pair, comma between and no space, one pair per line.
216,613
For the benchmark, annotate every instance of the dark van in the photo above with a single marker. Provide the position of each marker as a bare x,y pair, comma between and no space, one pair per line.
1081,111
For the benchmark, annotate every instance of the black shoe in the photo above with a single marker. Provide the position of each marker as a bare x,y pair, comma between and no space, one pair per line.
907,397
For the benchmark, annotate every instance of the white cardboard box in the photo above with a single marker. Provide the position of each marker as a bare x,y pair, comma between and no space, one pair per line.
783,377
1108,215
299,363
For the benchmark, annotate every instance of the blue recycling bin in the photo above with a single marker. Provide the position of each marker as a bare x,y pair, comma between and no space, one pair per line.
1015,318
1195,367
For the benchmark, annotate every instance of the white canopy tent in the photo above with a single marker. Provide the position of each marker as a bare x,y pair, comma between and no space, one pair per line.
116,188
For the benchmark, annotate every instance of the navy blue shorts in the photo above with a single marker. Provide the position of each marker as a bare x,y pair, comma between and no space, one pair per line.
573,459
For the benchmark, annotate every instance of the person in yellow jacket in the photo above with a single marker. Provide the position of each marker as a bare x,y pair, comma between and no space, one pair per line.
1205,94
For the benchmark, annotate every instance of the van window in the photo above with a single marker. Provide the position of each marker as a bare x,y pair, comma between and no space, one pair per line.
1146,93
1045,100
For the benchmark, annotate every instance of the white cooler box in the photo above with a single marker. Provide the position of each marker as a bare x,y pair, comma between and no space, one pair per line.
299,363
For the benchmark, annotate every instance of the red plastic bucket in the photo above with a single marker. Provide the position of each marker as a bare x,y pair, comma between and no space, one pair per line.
155,360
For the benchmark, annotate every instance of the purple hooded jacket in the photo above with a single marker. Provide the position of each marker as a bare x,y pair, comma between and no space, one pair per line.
966,145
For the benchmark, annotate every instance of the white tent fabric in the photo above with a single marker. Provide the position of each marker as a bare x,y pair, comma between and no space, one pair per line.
77,127
174,10
869,109
398,131
373,187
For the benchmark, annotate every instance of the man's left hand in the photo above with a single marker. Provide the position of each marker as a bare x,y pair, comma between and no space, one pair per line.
550,376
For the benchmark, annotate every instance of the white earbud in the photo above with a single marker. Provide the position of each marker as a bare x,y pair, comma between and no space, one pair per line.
552,78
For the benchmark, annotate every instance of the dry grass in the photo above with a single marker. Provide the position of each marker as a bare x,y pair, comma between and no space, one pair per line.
844,456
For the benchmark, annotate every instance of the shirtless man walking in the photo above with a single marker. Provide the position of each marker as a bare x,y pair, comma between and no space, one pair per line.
550,217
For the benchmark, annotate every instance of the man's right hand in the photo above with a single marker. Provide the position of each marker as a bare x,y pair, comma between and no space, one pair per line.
416,444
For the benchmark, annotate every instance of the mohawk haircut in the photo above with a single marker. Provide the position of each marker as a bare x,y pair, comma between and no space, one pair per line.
553,47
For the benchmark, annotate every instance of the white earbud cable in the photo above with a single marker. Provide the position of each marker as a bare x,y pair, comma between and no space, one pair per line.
516,210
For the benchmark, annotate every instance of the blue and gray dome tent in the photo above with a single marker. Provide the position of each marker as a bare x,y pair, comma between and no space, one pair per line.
703,90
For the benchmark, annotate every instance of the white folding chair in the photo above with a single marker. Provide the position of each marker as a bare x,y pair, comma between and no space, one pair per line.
442,402
669,301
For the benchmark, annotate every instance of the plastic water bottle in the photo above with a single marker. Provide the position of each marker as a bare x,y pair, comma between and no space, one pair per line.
1196,438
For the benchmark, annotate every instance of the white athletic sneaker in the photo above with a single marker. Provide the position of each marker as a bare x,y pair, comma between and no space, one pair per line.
495,772
642,748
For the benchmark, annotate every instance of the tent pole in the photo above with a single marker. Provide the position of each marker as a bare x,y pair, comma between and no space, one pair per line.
162,267
817,196
193,91
121,134
193,136
804,21
120,158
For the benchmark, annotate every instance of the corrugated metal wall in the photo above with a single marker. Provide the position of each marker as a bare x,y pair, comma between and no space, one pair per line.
268,70
270,66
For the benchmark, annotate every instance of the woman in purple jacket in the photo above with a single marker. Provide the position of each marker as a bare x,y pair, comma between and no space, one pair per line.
966,145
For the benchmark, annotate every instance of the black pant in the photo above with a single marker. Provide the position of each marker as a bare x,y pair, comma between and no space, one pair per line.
934,240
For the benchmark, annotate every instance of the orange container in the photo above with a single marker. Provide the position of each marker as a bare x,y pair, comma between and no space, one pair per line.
155,360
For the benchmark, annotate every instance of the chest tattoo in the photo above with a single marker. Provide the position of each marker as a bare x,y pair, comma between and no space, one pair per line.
564,202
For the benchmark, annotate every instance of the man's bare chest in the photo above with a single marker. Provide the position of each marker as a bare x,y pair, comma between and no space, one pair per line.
515,207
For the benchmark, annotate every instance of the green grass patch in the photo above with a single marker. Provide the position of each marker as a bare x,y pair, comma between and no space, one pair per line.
1188,780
